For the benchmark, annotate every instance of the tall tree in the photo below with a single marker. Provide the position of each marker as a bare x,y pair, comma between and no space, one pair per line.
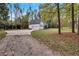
73,24
11,13
78,19
17,12
59,25
4,13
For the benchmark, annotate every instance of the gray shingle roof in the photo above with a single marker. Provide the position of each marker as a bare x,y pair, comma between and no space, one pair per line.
35,21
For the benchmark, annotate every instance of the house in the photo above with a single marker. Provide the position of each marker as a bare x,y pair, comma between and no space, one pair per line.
35,22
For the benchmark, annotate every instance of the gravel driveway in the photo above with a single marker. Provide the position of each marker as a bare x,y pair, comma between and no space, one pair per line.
21,43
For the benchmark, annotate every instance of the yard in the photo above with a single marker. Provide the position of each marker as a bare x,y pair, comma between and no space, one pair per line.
66,43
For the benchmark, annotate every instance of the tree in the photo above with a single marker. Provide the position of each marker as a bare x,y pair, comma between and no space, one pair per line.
78,25
73,24
78,19
48,14
10,6
4,13
17,11
59,25
24,21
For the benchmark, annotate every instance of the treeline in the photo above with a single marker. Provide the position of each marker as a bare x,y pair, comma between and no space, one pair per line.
61,15
10,10
49,13
53,14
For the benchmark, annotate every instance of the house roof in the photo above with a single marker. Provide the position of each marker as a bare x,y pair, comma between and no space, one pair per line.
35,21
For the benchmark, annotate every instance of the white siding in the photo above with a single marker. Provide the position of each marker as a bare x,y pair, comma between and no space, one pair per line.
35,26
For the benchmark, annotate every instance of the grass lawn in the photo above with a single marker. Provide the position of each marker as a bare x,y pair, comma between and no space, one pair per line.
2,34
67,43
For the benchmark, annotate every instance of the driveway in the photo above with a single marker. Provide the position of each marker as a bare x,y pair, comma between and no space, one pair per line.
21,43
19,32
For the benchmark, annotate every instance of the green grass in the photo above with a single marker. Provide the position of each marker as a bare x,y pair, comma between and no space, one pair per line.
65,45
2,34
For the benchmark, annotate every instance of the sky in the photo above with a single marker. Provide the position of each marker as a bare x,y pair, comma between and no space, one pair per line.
26,6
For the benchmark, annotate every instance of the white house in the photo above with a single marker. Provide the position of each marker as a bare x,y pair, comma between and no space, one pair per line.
35,23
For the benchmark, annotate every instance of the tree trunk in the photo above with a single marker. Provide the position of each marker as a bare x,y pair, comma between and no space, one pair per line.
11,21
59,25
78,25
73,25
78,19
